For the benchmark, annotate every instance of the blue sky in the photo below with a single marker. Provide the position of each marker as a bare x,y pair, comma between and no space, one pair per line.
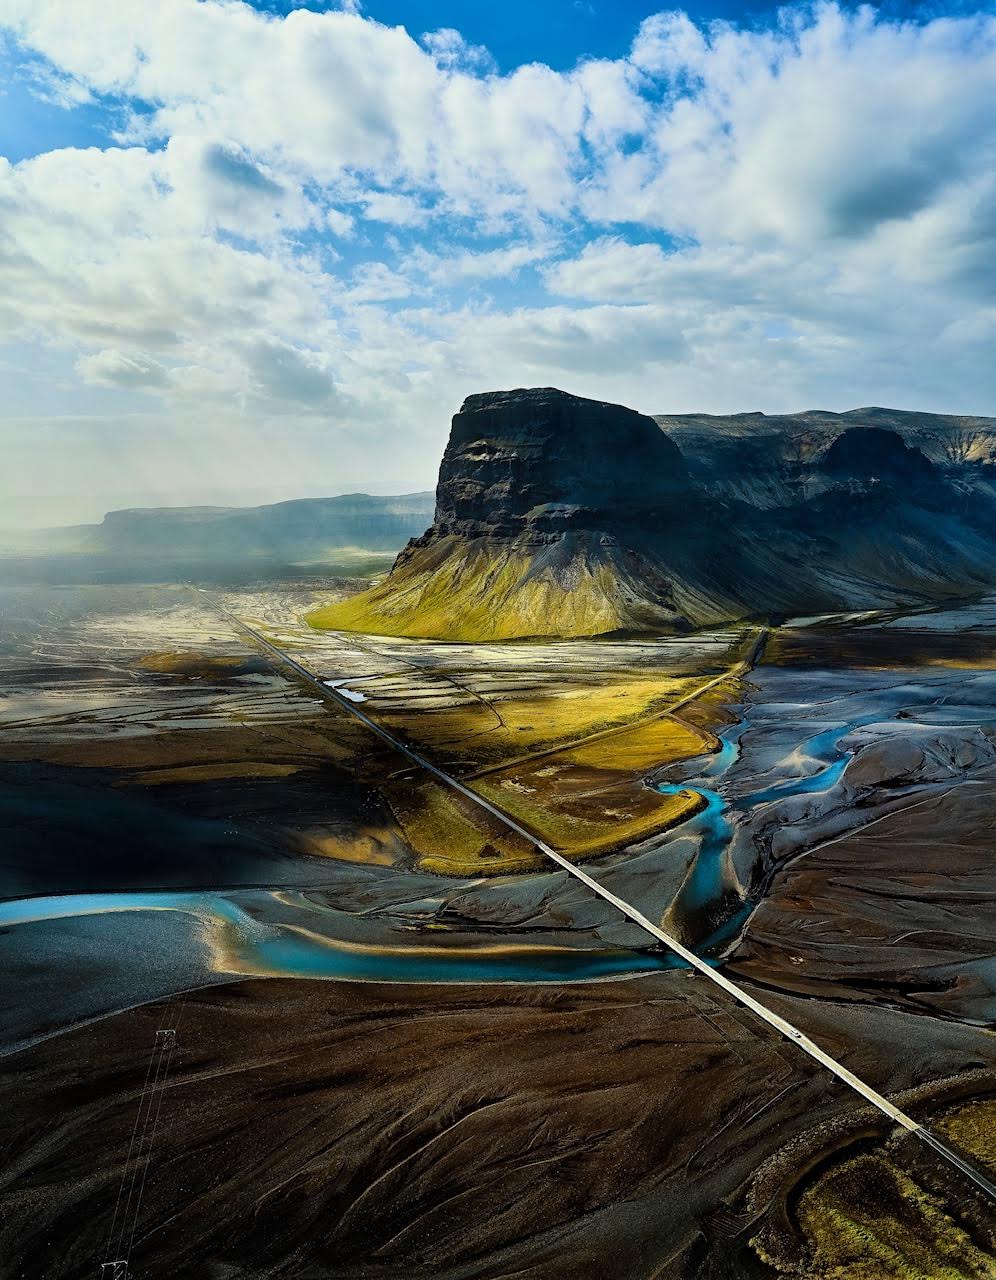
556,32
30,124
265,250
561,32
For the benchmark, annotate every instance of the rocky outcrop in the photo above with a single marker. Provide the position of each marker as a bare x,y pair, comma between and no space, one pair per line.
875,453
949,440
560,516
548,512
773,460
541,461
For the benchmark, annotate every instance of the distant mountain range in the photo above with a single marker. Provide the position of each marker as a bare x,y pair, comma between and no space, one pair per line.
347,537
303,529
557,515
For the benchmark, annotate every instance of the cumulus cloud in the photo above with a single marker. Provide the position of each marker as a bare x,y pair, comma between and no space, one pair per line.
825,128
618,342
724,218
330,92
231,167
109,368
455,266
289,375
339,222
395,208
377,282
451,50
611,269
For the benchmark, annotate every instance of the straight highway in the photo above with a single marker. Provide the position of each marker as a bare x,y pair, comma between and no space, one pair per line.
713,975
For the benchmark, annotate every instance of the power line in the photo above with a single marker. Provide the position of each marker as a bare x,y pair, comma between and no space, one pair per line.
124,1221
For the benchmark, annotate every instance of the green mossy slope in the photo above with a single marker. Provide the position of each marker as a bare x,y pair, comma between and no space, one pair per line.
483,590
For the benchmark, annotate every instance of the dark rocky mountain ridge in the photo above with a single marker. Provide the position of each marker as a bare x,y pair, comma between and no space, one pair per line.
943,436
874,452
765,458
557,515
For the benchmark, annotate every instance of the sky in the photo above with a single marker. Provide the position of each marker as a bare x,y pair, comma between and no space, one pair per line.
256,251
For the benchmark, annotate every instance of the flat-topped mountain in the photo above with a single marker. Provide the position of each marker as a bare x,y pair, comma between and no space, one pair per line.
545,508
557,515
541,460
297,529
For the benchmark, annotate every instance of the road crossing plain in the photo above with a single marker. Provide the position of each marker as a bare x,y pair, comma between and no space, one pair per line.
636,1128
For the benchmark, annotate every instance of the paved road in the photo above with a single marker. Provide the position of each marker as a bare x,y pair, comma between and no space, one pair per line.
781,1025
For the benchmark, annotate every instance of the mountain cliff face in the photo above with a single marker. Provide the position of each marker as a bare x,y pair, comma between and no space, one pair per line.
766,460
548,510
542,461
874,452
560,516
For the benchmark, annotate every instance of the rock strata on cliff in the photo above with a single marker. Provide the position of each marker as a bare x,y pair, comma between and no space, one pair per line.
542,461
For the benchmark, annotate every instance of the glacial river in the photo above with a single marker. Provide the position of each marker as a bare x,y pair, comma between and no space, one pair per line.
298,937
704,893
306,946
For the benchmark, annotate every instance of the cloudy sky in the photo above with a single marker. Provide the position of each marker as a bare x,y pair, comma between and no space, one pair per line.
249,251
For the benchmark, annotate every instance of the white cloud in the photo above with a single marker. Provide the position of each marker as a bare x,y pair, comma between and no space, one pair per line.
824,129
617,342
340,223
612,270
289,375
451,50
109,368
394,209
377,282
456,266
269,238
331,93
